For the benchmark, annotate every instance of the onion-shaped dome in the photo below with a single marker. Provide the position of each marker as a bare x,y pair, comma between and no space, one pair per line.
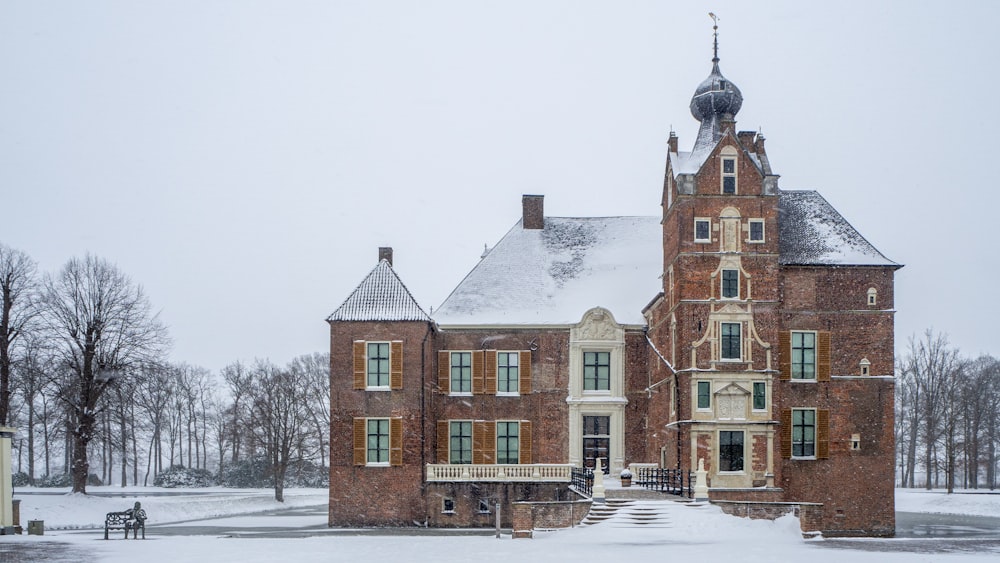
716,96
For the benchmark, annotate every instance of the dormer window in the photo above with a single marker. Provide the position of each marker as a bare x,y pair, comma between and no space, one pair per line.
730,284
729,175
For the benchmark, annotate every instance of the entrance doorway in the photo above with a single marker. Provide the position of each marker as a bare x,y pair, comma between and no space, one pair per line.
597,441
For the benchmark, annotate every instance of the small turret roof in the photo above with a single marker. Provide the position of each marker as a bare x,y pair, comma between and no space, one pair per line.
381,296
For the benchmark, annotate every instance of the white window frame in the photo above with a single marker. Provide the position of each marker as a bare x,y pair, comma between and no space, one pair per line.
718,441
388,365
583,371
497,444
451,379
753,389
451,436
517,379
697,396
734,174
722,283
815,360
739,347
763,233
388,442
700,220
815,440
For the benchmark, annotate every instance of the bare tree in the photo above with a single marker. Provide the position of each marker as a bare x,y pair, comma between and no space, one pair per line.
105,327
18,290
314,371
279,418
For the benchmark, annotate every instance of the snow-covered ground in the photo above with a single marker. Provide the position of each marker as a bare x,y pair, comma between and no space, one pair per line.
699,532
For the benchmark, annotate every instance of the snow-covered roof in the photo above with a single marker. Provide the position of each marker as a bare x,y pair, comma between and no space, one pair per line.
381,296
554,275
813,233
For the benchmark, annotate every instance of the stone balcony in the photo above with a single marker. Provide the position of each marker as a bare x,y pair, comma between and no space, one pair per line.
503,473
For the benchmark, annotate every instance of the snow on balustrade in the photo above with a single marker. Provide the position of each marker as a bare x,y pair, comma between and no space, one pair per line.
529,472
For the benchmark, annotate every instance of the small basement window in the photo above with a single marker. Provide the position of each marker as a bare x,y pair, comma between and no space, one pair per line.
484,506
448,506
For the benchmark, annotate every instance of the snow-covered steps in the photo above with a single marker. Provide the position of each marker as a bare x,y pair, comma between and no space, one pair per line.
632,513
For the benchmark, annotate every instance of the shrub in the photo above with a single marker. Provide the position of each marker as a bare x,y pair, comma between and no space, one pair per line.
180,476
20,479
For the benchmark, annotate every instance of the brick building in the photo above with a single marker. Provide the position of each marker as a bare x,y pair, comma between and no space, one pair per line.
747,326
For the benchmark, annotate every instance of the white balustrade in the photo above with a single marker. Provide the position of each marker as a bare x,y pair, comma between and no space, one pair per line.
538,472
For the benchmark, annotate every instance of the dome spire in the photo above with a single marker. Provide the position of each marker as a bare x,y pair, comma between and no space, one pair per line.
715,33
716,100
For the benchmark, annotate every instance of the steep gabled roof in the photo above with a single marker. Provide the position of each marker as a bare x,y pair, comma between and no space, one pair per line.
381,296
813,233
555,274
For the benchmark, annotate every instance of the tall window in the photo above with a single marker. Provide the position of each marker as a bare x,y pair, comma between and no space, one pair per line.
729,175
731,341
730,284
596,371
803,433
704,395
596,441
460,450
803,355
378,364
756,230
759,396
378,440
507,372
702,230
461,372
508,444
730,450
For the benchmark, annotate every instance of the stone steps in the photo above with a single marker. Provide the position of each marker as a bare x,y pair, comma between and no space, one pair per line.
632,513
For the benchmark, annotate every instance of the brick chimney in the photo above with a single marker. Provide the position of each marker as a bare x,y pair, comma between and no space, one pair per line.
533,212
672,142
385,253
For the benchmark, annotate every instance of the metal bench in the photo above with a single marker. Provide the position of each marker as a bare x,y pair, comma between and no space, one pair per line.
133,519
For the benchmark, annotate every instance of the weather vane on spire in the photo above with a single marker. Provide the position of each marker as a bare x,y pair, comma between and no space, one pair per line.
715,32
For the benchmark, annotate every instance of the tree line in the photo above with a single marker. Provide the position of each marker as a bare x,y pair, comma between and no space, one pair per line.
947,416
85,379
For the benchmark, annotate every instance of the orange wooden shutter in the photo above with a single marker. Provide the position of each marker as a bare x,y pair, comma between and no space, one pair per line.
491,372
360,437
524,456
396,364
478,384
396,441
785,355
823,356
444,372
524,372
444,436
822,434
478,448
489,442
786,433
360,359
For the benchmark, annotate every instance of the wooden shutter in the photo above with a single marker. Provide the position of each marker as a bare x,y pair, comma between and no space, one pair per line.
785,355
396,364
786,433
490,370
360,438
478,448
524,372
444,440
524,456
823,356
489,442
444,372
360,361
478,384
396,441
822,434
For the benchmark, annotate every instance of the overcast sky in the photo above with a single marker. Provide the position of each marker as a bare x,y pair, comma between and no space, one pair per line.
243,161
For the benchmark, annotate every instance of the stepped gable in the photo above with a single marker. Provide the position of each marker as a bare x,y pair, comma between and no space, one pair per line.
813,233
381,296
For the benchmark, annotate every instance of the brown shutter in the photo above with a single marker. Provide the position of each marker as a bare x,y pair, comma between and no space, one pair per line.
444,438
823,356
444,372
786,433
785,355
360,437
822,434
396,441
524,369
489,442
491,372
396,364
524,456
478,434
360,359
478,384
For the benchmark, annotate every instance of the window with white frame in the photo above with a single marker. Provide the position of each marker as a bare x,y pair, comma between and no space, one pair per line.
729,175
378,365
759,396
461,372
378,441
702,230
704,395
508,373
508,441
460,441
804,433
756,230
803,355
730,284
731,342
596,371
730,450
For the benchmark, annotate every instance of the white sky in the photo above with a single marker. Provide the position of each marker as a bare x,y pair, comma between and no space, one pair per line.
244,160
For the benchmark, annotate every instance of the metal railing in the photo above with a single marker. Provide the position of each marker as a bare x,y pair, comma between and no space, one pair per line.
583,480
674,481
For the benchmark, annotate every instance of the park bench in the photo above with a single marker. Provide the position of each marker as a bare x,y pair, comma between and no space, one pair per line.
132,519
